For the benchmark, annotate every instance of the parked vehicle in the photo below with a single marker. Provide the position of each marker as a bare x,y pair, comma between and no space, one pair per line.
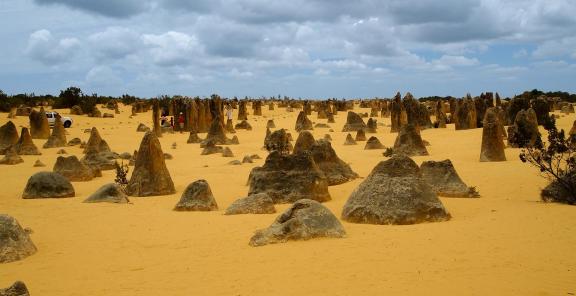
66,121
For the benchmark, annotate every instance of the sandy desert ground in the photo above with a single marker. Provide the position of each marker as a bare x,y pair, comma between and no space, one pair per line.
505,243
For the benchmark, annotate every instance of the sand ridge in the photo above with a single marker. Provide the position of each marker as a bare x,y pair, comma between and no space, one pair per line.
505,243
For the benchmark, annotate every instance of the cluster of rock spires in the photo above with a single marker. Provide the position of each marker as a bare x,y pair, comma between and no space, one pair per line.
396,192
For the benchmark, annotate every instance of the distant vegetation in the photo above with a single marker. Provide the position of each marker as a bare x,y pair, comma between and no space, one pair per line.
73,96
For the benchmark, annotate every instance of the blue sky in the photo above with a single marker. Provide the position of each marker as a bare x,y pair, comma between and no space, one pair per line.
299,48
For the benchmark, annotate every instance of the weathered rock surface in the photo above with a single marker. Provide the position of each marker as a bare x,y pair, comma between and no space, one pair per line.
287,178
8,136
71,168
96,143
394,193
253,204
197,197
278,141
243,125
15,243
360,135
349,140
39,126
524,132
409,142
304,142
335,170
142,128
373,143
492,148
444,180
11,157
226,152
48,185
305,219
150,176
193,138
111,193
303,123
353,123
58,136
17,289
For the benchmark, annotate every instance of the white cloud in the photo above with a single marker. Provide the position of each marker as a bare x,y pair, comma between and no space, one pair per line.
172,48
43,47
115,42
449,60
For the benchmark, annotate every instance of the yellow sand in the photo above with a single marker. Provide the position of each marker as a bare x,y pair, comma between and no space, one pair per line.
505,243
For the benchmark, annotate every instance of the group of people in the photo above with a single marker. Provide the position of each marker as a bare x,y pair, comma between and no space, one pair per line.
164,122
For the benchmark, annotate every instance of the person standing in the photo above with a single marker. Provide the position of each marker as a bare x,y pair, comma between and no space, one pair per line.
181,122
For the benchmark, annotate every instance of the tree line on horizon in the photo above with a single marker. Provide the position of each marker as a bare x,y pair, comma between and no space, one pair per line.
73,96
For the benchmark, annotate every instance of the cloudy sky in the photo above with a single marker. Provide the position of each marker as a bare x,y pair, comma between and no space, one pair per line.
299,48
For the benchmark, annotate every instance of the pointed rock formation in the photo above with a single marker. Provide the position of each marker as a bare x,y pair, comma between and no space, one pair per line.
150,176
270,124
193,138
58,136
303,123
335,170
226,152
394,193
17,289
39,126
15,243
247,159
111,193
360,135
38,164
492,148
96,143
353,123
409,142
8,136
444,181
373,143
254,204
197,197
142,128
288,178
304,142
217,134
25,145
305,219
211,148
244,125
11,157
48,185
71,168
349,140
98,155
